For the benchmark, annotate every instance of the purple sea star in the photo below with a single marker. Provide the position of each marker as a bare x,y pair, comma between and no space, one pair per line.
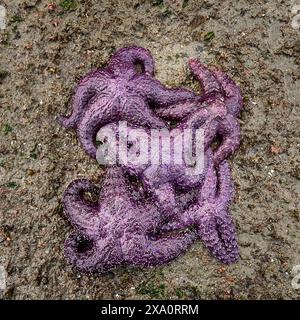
125,226
119,92
120,228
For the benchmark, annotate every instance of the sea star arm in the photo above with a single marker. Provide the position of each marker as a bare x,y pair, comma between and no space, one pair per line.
178,111
217,233
152,252
163,191
133,56
149,217
233,97
197,119
98,115
83,214
229,130
215,226
90,85
114,186
158,95
226,189
81,253
209,187
207,79
92,256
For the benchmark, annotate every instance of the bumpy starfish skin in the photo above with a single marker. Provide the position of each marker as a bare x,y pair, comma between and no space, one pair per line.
161,180
215,111
120,92
210,215
155,223
120,228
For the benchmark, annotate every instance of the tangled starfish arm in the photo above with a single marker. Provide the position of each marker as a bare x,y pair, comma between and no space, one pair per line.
91,85
133,57
214,224
212,89
83,214
157,95
214,111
